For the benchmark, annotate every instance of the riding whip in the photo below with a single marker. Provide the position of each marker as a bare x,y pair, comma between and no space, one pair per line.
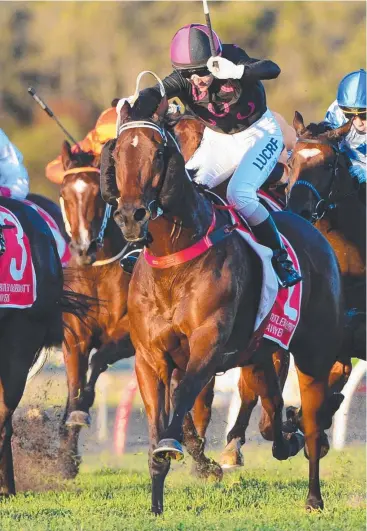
48,111
211,38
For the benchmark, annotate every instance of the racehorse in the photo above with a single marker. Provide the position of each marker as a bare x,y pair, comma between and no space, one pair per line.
97,245
94,270
321,190
24,332
199,315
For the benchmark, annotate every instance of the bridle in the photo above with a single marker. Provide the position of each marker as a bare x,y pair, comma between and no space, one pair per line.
323,205
154,207
99,240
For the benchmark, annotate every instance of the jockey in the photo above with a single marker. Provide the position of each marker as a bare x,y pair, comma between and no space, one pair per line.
104,130
14,180
351,103
241,137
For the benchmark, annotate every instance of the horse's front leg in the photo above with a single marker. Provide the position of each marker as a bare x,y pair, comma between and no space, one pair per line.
76,364
204,346
155,391
114,350
194,430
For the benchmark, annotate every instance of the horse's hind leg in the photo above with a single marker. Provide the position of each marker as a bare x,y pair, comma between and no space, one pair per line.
232,455
313,395
338,377
7,483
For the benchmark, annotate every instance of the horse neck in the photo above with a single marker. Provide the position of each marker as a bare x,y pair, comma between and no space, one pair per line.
188,221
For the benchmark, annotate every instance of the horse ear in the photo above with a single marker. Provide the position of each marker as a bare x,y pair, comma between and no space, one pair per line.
125,112
340,132
66,155
298,123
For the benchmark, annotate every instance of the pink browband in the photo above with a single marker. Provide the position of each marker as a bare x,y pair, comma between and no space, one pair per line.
81,170
175,259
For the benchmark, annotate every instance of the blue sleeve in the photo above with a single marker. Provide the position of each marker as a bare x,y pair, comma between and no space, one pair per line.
357,171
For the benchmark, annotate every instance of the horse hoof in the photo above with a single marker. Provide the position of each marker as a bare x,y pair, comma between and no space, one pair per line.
314,504
208,469
231,459
78,418
325,447
168,449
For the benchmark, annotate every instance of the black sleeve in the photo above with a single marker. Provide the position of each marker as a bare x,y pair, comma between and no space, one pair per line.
255,69
175,86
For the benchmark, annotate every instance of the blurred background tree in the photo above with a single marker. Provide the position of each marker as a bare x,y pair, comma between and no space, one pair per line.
81,55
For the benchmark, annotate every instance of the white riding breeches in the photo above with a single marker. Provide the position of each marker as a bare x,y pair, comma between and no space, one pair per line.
249,155
14,179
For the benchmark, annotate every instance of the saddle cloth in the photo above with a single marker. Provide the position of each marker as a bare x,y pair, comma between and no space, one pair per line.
62,246
17,275
279,308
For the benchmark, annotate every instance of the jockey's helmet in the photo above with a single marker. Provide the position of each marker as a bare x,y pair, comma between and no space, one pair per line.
351,95
190,50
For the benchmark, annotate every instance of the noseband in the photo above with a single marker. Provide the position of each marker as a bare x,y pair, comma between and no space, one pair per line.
323,205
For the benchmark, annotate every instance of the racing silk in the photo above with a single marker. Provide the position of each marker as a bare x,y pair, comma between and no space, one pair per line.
228,106
104,130
14,180
353,144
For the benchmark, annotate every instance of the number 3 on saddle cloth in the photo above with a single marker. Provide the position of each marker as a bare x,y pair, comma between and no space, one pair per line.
279,308
17,275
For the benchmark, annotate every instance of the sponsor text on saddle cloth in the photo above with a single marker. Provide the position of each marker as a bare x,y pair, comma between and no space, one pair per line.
61,244
17,275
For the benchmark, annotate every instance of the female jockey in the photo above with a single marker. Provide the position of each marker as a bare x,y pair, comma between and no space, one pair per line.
14,180
351,103
241,135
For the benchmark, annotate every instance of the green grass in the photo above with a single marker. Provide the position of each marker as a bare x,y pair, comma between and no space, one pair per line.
266,495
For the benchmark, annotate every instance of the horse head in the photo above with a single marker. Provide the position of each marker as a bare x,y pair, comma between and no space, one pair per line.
146,157
83,208
314,168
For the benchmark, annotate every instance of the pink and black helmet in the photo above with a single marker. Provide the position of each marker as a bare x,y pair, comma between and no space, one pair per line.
190,49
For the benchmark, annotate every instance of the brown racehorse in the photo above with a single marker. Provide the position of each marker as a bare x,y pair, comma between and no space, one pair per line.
188,132
199,316
95,271
92,271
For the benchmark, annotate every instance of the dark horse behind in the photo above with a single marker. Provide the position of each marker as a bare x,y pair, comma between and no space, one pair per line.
25,332
322,191
199,316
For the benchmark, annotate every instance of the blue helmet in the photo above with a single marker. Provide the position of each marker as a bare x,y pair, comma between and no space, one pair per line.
352,91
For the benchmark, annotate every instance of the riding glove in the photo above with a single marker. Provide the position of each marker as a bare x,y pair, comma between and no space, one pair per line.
224,69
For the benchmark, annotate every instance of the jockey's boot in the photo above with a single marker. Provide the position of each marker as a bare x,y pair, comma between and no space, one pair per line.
268,235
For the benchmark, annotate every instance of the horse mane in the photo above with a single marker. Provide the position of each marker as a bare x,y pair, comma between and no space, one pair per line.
82,158
314,130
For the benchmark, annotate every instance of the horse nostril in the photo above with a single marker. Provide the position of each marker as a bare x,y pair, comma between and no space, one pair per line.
140,214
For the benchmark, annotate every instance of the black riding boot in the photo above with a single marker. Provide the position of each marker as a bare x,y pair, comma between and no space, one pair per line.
268,235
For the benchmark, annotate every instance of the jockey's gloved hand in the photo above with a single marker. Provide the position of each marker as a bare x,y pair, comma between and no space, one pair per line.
225,69
147,103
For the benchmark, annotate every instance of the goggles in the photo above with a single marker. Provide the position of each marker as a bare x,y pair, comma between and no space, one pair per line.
351,113
201,72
